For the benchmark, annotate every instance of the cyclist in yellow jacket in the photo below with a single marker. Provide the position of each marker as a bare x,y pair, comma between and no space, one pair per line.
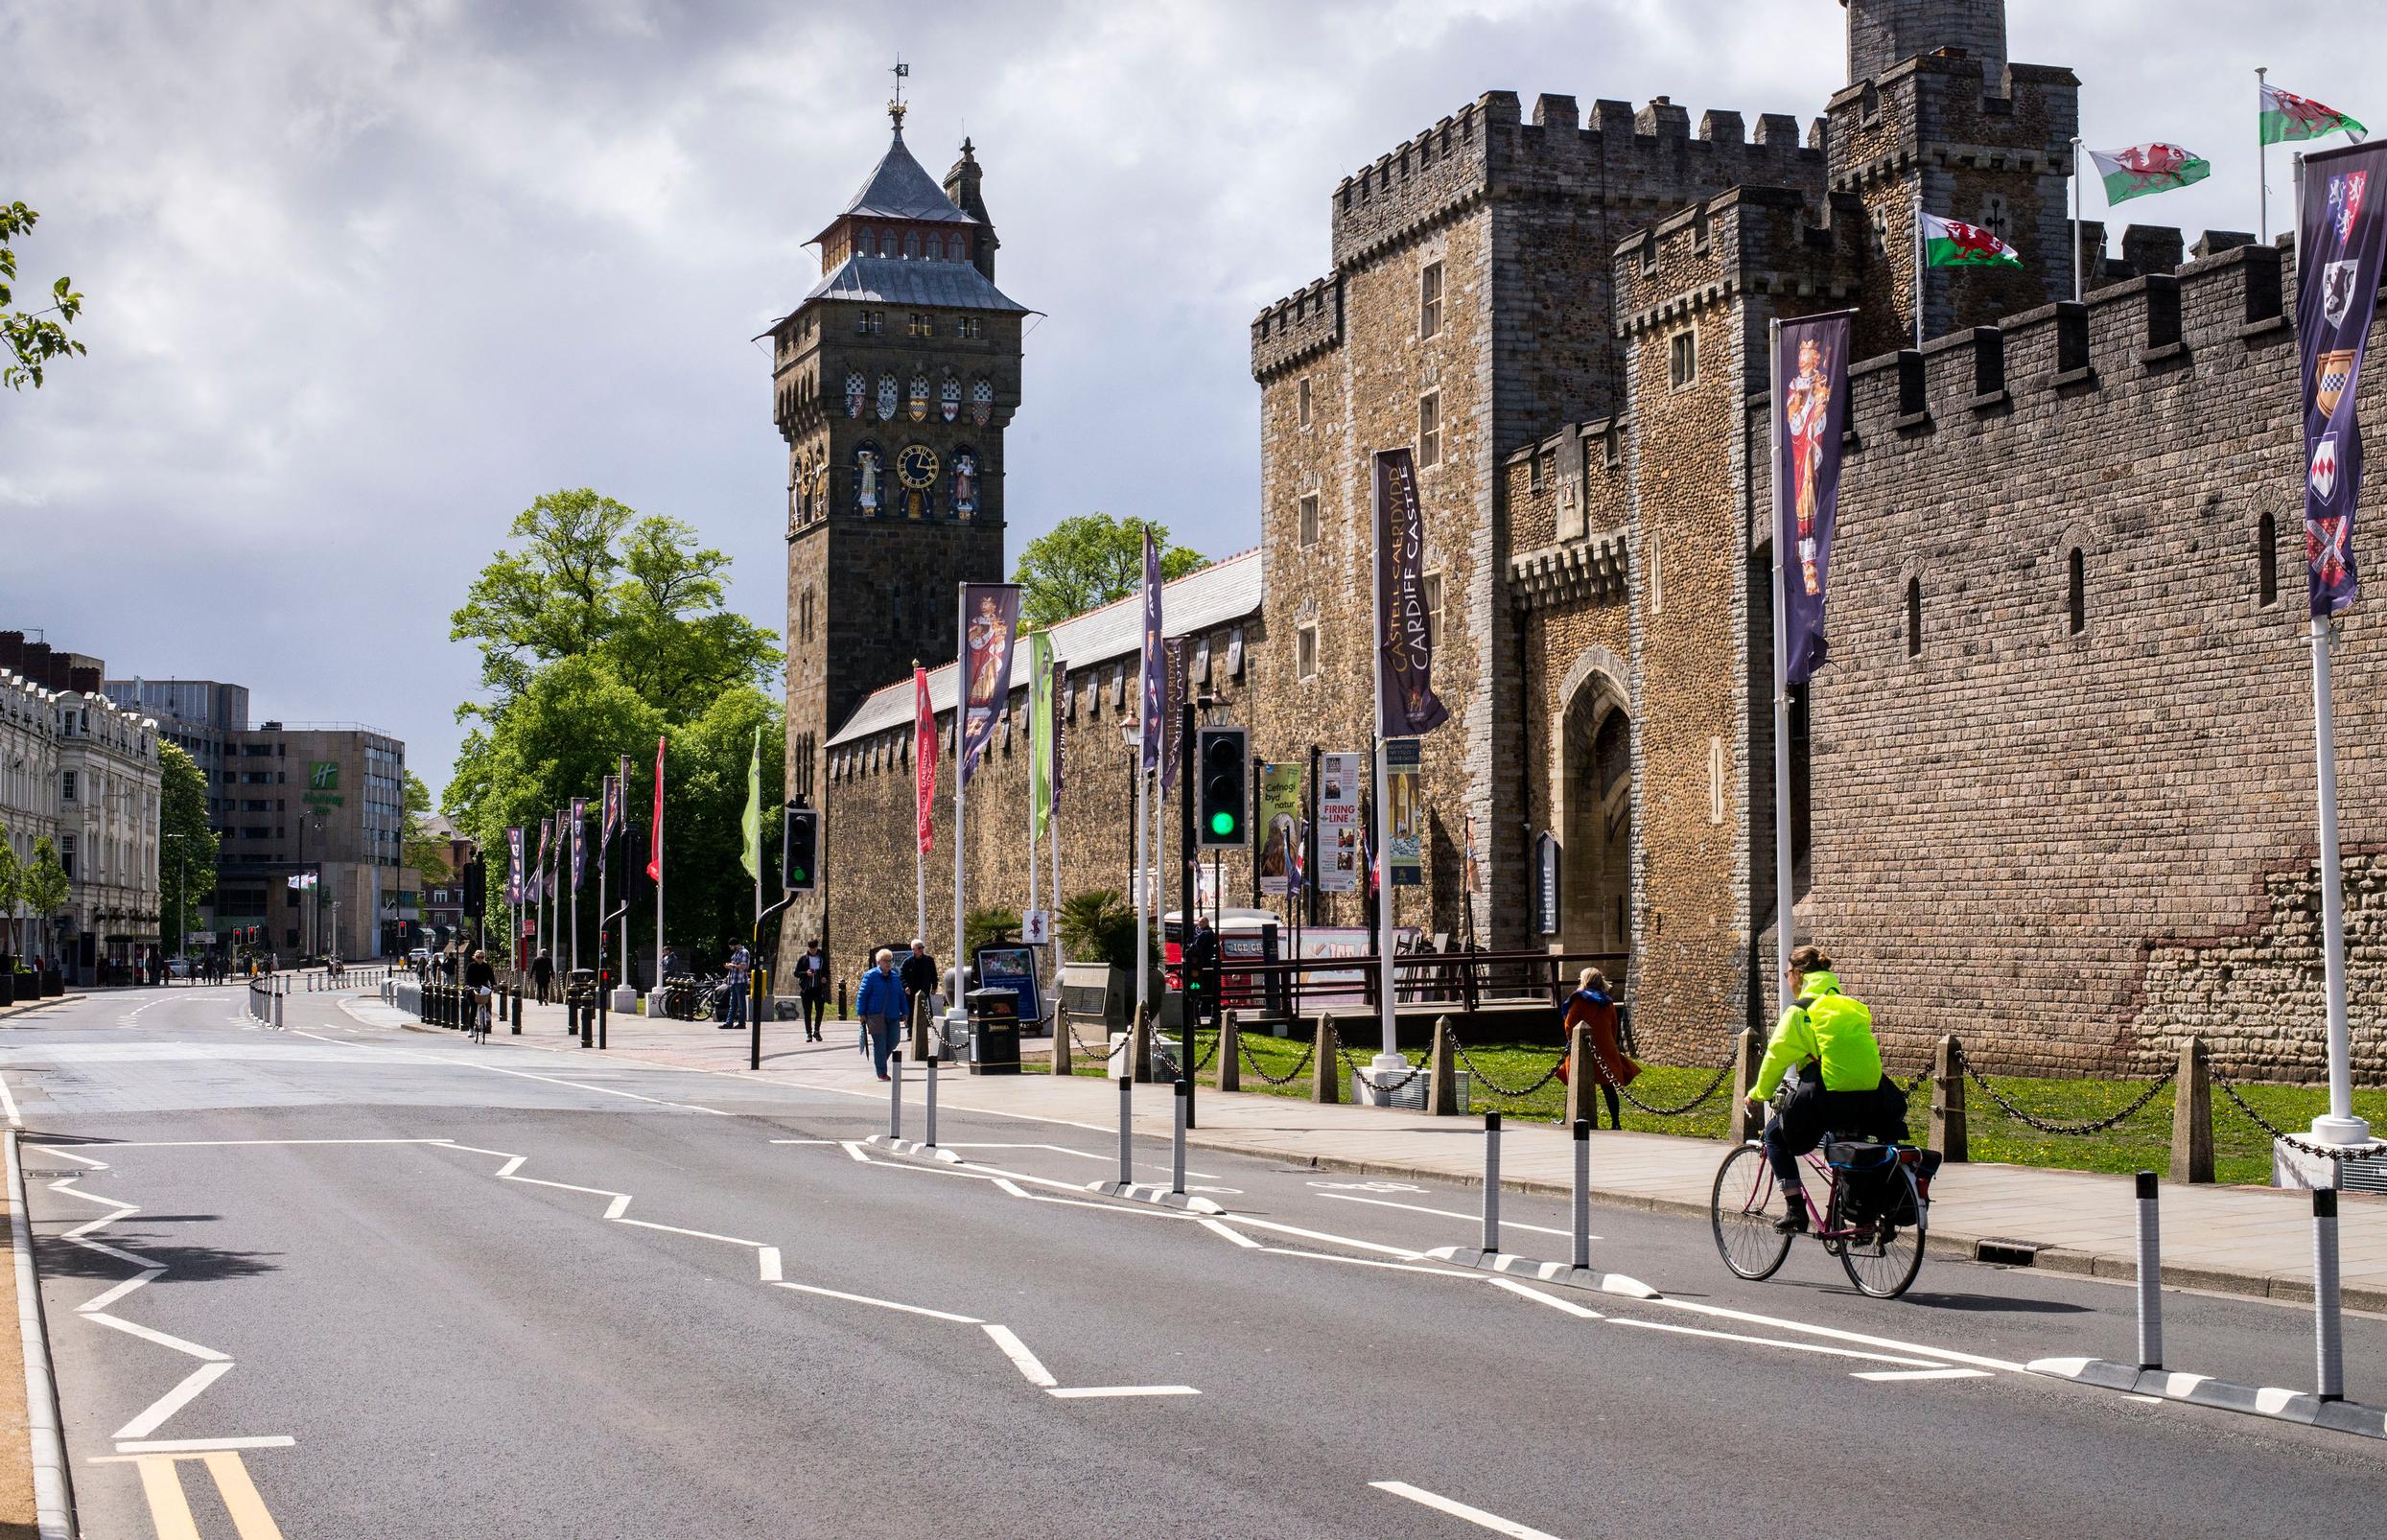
1824,1046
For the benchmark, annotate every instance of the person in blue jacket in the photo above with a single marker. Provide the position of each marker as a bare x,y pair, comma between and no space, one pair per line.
881,1006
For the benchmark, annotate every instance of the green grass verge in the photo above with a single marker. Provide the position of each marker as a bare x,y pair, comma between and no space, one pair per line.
2140,1142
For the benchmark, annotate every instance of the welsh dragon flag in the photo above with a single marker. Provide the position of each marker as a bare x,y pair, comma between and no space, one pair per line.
2143,169
1954,243
2286,116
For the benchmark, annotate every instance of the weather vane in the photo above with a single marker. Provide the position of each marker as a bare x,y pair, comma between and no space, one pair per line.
895,109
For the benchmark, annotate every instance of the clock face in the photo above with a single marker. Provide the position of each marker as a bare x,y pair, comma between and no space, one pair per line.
917,465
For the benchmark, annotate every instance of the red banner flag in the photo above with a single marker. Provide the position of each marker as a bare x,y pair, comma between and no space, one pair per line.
654,854
923,757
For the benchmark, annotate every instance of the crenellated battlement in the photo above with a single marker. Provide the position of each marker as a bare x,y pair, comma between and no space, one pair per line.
1297,328
1622,157
1768,241
1949,112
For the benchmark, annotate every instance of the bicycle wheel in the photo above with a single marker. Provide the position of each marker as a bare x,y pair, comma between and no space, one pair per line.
1742,1209
1886,1270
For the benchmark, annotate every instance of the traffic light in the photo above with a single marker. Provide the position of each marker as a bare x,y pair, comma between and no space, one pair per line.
800,855
1223,765
476,886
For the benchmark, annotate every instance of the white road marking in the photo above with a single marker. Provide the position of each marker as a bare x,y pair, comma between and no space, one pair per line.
175,1400
1775,1341
1367,1262
193,1446
1919,1374
674,1229
1235,1235
1837,1335
1026,1362
1448,1213
1089,1393
150,1334
884,1304
15,1120
1552,1300
120,1291
768,1262
1461,1510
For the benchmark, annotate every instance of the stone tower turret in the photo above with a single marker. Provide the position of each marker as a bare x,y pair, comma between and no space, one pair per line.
1883,33
962,186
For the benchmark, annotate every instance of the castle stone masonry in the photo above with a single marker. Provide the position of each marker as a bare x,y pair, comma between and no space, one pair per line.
2053,792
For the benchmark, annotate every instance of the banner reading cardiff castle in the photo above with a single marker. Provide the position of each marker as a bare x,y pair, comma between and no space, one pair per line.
1404,646
1810,413
992,611
2340,239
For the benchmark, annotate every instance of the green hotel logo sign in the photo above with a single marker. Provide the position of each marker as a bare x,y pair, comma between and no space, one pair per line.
323,785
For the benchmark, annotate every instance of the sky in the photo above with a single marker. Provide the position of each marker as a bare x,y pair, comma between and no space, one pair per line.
363,280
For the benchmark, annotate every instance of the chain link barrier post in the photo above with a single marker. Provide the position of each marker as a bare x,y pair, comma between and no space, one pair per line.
1325,1064
895,1095
1442,1087
1127,1130
1948,1132
1062,1067
929,1117
2327,1340
2150,1274
1183,1099
2192,1116
1582,1078
1581,1215
1229,1051
1491,1183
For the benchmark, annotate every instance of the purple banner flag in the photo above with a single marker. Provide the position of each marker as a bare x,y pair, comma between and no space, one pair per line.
2340,239
579,839
610,818
538,878
1061,717
513,865
1176,673
1404,642
993,621
1151,686
1810,413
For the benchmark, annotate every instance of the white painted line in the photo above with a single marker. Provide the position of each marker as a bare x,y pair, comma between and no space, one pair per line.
674,1229
1447,1213
1091,1392
15,1121
213,1144
858,1150
884,1304
1365,1262
1552,1300
1401,1251
566,1187
1235,1235
806,1141
61,1150
1461,1510
619,1206
1026,1362
512,1166
194,1446
1719,1311
150,1334
769,1262
175,1400
1775,1341
119,1292
1883,1375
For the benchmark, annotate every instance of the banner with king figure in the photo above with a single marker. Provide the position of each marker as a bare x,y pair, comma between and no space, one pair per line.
1811,414
1149,686
2339,245
514,891
1404,642
579,839
993,611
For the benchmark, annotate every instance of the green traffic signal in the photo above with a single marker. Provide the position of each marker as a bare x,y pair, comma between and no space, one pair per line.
1222,823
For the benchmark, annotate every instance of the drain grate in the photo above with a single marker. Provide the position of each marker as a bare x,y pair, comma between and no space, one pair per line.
2009,1253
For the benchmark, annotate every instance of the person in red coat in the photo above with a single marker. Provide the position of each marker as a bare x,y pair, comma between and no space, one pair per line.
1593,1005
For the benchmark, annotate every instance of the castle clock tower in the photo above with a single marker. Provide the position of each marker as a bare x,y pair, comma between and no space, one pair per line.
893,382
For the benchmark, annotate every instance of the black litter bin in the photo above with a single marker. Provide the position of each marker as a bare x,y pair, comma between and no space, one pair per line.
994,1032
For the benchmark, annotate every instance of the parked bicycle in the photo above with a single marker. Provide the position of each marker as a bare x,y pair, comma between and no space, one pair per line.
1875,1217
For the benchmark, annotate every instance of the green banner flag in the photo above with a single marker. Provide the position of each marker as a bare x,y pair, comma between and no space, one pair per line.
2143,169
1040,733
2286,116
752,823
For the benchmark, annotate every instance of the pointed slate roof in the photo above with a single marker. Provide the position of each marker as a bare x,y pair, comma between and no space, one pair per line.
913,281
899,189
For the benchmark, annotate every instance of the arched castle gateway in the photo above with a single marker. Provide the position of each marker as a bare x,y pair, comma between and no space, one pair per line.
2053,790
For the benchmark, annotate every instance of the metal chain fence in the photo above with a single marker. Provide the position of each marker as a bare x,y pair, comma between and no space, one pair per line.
1383,1087
1494,1087
1625,1091
2326,1152
2047,1125
1244,1045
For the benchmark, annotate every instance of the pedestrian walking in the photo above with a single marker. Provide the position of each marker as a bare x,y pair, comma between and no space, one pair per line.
542,973
740,965
920,975
813,986
880,1005
1593,1005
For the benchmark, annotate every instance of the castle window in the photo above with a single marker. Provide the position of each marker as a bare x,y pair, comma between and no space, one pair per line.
2079,592
953,251
1308,533
968,326
1305,652
1300,397
1869,104
1430,429
911,245
1430,300
1432,595
1649,254
1914,617
803,616
1682,358
2267,559
921,326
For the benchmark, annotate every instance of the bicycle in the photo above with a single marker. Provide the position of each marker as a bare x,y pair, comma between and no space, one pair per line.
1878,1236
482,998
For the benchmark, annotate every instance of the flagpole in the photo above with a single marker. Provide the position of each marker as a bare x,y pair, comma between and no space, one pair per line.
623,816
1033,657
600,885
1784,887
1389,1055
1143,926
955,1014
1918,270
656,998
919,857
575,899
2262,164
2076,230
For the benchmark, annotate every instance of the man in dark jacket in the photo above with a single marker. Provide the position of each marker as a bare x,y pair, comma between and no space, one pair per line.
920,975
813,985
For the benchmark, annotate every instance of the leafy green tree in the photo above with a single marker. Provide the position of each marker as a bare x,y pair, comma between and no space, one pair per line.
421,849
674,640
46,888
986,926
33,337
1090,560
187,848
710,900
12,886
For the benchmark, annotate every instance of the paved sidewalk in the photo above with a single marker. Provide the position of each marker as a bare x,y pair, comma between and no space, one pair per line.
2253,1241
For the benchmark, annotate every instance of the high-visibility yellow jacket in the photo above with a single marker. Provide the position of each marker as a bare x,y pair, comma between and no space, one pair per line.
1825,1027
